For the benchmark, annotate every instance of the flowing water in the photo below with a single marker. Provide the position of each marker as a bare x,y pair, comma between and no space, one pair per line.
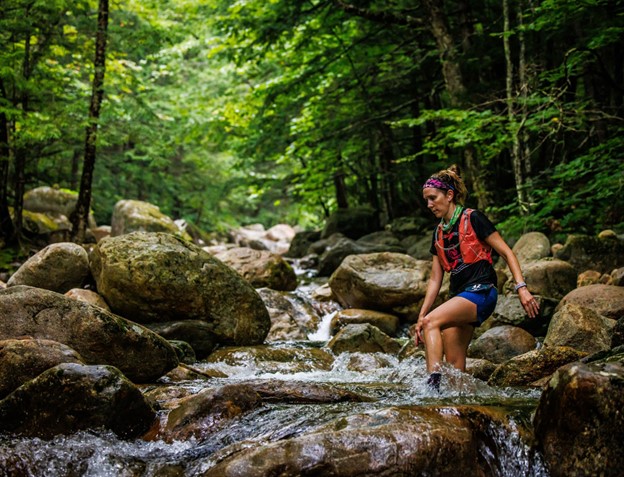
382,379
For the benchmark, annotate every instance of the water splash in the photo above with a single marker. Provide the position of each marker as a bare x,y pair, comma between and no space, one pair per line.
323,333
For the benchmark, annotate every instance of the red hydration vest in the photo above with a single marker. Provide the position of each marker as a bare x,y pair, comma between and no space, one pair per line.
470,247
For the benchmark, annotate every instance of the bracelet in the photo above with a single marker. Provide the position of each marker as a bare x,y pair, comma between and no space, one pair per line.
520,285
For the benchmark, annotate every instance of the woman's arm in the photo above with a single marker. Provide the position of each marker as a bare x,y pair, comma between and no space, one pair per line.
529,303
433,288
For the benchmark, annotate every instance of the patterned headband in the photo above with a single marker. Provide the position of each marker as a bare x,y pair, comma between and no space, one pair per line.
437,184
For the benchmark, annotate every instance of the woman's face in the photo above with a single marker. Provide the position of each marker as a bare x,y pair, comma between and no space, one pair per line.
438,201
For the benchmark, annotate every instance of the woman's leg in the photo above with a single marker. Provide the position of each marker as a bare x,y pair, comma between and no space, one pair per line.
455,341
456,312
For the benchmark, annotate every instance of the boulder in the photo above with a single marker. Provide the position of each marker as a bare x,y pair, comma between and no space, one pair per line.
501,343
606,300
580,328
71,397
197,333
273,360
363,338
100,337
531,247
261,268
386,322
291,317
548,277
88,296
334,255
380,281
157,277
202,414
58,267
586,252
392,442
353,223
533,366
509,311
24,359
579,424
301,243
138,216
51,200
617,337
480,368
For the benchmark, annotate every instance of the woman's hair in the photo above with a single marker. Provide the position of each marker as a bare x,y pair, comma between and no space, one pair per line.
449,179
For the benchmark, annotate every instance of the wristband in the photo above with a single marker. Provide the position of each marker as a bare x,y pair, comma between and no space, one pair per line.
520,285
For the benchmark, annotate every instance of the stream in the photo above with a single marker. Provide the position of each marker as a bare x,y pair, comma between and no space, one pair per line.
383,379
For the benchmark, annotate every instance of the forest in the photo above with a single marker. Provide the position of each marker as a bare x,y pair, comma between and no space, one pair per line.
228,113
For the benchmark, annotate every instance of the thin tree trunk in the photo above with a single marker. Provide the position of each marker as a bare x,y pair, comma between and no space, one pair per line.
80,216
6,223
456,89
516,150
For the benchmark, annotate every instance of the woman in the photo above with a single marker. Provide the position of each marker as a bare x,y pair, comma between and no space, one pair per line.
461,245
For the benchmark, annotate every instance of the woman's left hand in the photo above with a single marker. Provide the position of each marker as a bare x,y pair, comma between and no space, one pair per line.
529,303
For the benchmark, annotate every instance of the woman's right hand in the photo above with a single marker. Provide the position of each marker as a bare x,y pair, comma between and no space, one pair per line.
417,331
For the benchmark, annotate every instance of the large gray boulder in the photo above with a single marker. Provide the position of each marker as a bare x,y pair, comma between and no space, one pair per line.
58,267
549,278
579,423
502,343
380,281
261,268
139,216
100,337
606,300
156,277
71,397
389,442
580,328
25,359
532,246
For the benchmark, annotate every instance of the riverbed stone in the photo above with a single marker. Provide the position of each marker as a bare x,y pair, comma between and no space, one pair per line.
502,343
392,442
301,242
548,277
509,311
100,337
335,254
363,338
291,317
579,424
606,300
386,322
157,277
480,368
200,415
590,252
140,216
533,366
273,359
380,281
71,397
196,333
88,296
261,268
531,246
58,267
24,359
580,328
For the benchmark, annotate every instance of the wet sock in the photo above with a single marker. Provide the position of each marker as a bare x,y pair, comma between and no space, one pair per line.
434,381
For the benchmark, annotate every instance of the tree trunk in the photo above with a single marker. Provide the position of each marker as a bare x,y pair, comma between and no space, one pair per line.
516,149
456,89
80,216
6,224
